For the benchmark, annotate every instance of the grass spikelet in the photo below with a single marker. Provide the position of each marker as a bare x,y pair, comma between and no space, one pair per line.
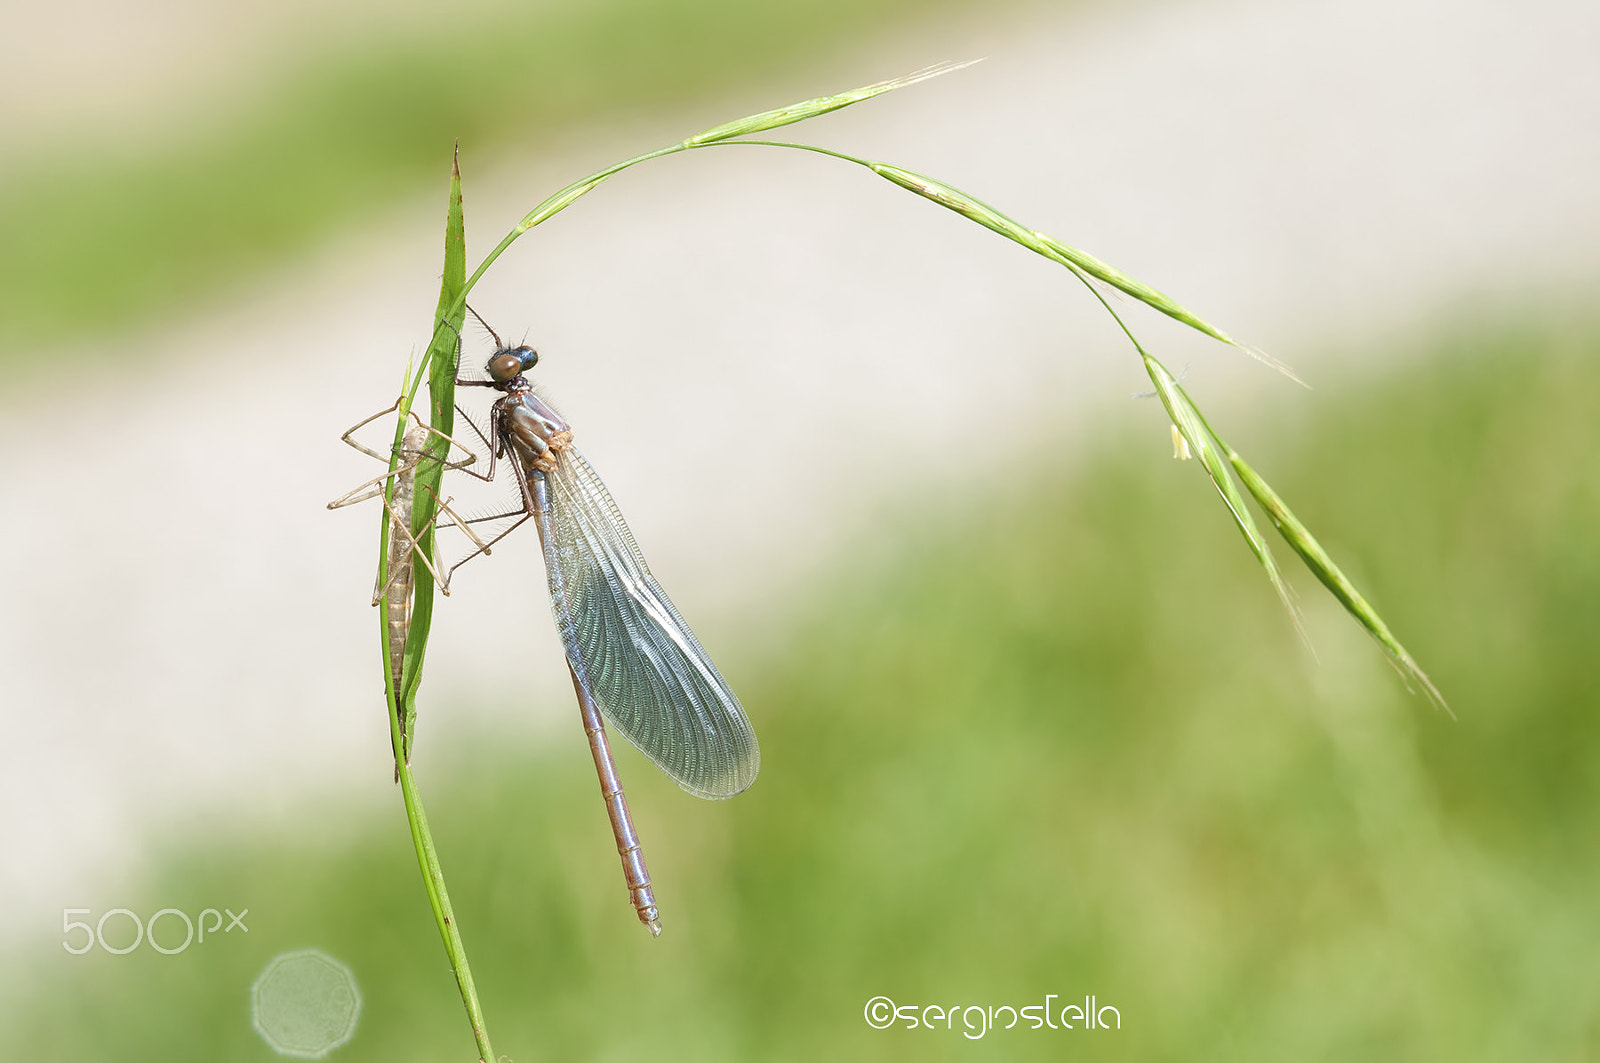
1300,539
1044,244
1197,434
799,112
556,203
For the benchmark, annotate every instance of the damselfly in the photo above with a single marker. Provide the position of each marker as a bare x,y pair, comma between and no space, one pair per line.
631,656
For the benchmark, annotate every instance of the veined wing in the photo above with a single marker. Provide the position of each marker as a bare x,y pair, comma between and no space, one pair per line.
649,673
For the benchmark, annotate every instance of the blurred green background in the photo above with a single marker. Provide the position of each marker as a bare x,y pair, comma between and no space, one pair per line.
108,230
1065,742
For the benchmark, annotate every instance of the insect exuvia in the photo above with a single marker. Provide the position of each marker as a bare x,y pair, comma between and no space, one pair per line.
398,583
632,657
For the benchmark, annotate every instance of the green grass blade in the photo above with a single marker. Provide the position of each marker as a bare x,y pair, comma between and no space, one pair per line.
1300,539
440,359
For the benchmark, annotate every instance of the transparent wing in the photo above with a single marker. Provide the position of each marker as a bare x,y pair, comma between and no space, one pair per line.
649,673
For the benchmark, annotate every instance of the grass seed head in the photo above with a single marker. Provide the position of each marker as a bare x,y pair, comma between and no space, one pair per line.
799,112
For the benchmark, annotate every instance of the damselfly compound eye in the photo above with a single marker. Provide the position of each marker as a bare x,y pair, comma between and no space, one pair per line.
504,367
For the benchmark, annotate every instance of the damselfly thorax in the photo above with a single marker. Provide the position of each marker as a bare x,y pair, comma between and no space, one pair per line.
533,429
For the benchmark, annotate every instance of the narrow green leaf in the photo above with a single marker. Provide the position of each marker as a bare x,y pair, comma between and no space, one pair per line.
799,112
441,357
441,362
442,352
1317,560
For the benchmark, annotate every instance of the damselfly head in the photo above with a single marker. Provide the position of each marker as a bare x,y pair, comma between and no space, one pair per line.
509,363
